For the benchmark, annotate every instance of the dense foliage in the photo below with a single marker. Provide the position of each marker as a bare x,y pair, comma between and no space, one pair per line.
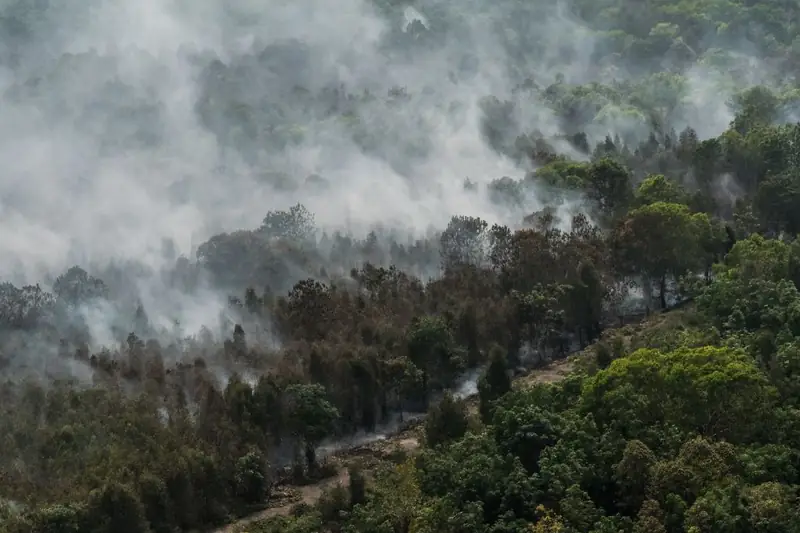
689,424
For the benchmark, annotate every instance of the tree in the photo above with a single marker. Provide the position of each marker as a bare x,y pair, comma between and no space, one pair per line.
716,391
358,486
719,510
657,188
402,379
755,106
157,504
751,296
772,508
432,349
506,192
268,407
632,473
538,317
237,346
609,186
446,422
603,355
525,430
494,383
776,201
308,307
758,258
650,519
59,519
311,417
25,308
587,293
296,224
252,478
659,241
76,287
472,472
395,505
549,522
578,510
464,242
116,509
500,246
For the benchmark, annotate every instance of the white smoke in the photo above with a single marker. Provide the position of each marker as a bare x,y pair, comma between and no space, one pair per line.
106,154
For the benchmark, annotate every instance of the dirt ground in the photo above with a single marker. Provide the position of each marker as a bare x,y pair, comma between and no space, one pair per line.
552,373
287,500
286,497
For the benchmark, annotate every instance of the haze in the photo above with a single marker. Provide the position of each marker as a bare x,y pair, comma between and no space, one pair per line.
134,131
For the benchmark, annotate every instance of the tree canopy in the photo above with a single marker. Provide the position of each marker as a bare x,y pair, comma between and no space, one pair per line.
605,340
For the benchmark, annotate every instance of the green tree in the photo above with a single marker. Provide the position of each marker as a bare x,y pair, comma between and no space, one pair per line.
395,505
494,383
539,317
716,391
772,507
251,478
657,188
776,201
358,486
755,106
650,519
116,509
157,504
587,294
632,474
578,510
59,519
659,241
609,186
720,510
446,422
549,522
473,472
311,417
525,431
432,349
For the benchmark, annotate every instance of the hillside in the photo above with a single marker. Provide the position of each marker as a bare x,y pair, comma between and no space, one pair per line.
248,249
373,456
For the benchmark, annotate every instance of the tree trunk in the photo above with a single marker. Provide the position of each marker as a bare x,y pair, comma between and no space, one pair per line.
384,405
425,398
662,292
311,457
647,293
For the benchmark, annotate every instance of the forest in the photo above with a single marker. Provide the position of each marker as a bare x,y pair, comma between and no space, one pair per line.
649,237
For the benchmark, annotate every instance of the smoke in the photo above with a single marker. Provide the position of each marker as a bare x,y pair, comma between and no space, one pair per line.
118,136
129,125
708,97
105,155
465,388
382,432
468,384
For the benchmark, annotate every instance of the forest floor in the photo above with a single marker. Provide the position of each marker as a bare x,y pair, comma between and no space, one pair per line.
284,498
